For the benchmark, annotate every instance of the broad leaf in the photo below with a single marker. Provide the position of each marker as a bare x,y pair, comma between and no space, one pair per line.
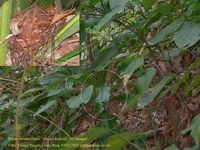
117,3
68,56
108,17
148,96
173,53
69,29
83,97
3,97
134,65
103,94
148,3
117,142
31,91
188,35
7,105
45,107
172,147
5,17
143,83
171,28
117,6
195,123
195,133
92,135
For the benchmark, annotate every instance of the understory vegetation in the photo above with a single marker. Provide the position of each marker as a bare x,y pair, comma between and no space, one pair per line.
137,86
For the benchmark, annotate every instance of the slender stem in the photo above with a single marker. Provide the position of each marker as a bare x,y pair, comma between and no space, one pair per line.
41,116
153,127
5,16
17,125
9,80
58,5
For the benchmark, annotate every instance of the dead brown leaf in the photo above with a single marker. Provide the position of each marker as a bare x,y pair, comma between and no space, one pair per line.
163,68
172,105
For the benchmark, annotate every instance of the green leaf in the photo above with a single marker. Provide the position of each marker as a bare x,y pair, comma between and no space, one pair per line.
69,29
34,100
30,91
117,142
45,107
104,58
192,148
143,83
92,135
108,17
117,7
5,17
148,96
186,75
103,94
195,82
118,3
7,105
68,56
87,94
134,65
133,101
99,108
195,123
84,97
188,35
172,147
171,28
3,97
54,92
44,4
195,133
148,3
173,53
156,14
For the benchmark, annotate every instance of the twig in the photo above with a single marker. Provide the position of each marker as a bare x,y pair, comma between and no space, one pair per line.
17,127
9,90
89,48
152,125
9,80
41,116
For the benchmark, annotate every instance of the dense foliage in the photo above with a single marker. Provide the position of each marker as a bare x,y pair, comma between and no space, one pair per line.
141,54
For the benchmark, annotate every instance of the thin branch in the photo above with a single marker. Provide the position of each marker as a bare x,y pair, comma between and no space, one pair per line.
9,80
17,127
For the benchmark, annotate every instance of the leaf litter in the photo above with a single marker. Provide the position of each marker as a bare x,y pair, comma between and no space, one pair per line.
34,30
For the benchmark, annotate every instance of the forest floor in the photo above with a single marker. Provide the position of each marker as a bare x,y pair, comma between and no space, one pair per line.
167,115
34,32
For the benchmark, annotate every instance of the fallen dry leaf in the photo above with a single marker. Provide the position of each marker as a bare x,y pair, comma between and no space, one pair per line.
163,68
187,58
193,107
186,141
172,104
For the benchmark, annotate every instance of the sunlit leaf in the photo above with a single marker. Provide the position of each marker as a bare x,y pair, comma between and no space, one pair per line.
103,94
84,97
